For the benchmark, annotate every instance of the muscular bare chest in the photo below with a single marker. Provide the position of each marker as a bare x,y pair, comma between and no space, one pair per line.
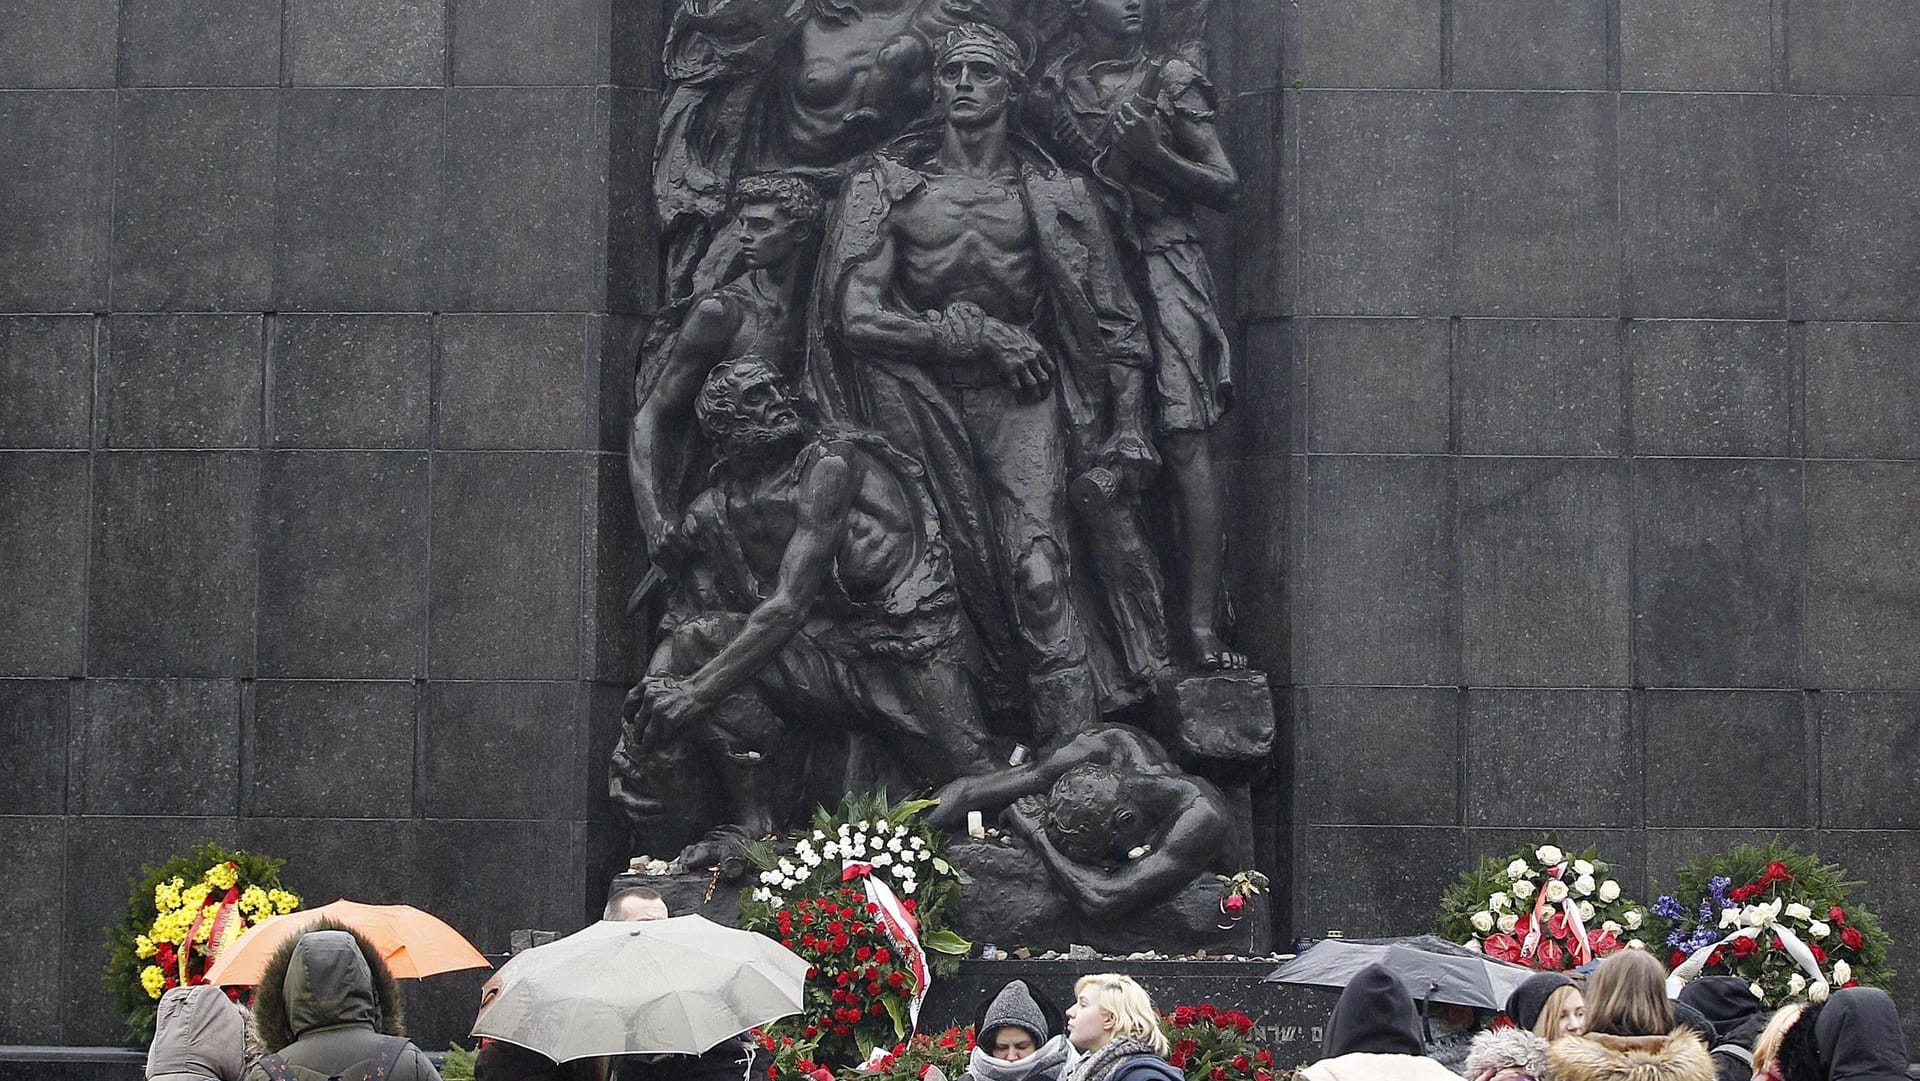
966,238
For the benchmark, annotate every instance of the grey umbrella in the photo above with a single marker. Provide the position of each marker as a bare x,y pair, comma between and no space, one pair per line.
1432,968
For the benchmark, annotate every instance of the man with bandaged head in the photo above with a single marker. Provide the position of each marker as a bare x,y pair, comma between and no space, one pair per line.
972,308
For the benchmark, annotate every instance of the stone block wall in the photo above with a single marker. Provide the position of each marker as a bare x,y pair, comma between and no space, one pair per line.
316,323
1575,457
1579,433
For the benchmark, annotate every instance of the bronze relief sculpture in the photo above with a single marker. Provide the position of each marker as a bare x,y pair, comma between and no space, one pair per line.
893,480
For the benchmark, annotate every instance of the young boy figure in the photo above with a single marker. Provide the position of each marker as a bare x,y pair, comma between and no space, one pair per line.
1143,124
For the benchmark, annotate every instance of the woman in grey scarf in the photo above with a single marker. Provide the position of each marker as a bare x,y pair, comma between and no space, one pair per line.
1018,1039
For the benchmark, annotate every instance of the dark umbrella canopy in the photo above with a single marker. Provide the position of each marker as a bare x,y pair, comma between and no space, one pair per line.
1432,968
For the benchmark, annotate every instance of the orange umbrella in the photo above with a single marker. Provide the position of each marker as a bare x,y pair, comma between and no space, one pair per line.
412,943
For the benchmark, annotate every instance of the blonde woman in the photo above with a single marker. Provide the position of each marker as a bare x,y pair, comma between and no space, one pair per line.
1630,1029
1112,1023
1766,1046
1545,1007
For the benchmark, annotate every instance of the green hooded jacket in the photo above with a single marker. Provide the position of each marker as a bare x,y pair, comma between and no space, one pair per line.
325,1004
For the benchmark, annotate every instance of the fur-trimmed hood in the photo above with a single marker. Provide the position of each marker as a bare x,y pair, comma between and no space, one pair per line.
1678,1056
1497,1049
330,975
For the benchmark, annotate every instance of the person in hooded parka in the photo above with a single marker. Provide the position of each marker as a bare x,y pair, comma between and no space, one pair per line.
329,1008
1853,1036
1374,1034
198,1033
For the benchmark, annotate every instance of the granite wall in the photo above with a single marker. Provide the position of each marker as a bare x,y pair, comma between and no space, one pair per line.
1577,460
1575,465
313,366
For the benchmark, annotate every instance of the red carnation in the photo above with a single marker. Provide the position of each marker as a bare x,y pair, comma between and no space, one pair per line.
863,953
1852,937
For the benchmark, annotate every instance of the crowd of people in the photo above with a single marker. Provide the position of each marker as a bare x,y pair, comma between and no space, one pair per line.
329,1009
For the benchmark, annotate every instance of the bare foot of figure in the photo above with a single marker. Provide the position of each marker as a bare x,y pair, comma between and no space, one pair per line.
1211,652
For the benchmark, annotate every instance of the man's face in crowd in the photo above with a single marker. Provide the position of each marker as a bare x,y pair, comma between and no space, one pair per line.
641,910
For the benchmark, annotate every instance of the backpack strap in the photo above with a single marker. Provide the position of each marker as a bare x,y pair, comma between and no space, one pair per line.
276,1068
381,1065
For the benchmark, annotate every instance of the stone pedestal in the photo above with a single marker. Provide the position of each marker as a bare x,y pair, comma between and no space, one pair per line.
1011,902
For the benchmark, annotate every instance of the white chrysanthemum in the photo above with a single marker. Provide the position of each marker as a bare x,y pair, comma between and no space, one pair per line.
917,843
763,895
881,859
770,877
819,835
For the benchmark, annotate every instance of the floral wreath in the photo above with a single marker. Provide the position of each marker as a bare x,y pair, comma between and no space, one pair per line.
179,916
1788,928
862,897
1543,908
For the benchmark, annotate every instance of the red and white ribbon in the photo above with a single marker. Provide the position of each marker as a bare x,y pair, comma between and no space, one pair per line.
900,926
1578,942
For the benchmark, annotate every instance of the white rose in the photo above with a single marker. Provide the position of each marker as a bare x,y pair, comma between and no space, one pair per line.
1517,869
1482,921
1633,918
1796,983
1818,990
1585,908
1611,927
1609,892
1799,912
1635,944
1474,945
1582,867
1498,902
1583,885
1508,922
1758,991
1522,889
1842,972
1549,854
1818,929
1556,891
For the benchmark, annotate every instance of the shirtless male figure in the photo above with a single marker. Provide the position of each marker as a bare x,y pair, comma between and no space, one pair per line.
843,610
755,314
1087,806
945,308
